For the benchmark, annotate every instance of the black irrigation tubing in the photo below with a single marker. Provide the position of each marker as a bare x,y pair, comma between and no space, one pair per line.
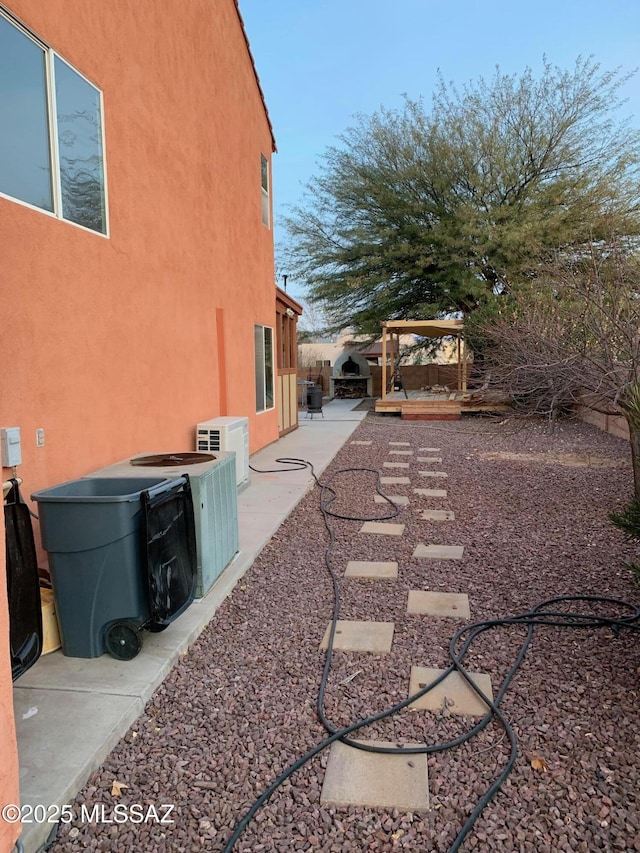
458,647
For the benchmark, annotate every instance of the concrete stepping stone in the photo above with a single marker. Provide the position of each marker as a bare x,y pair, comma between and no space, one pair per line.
369,779
395,481
439,552
395,464
361,442
400,443
355,636
401,500
429,459
454,605
440,474
369,569
438,515
383,528
452,694
431,493
401,453
429,450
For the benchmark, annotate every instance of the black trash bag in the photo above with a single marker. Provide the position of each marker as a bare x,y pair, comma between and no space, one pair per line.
23,584
170,542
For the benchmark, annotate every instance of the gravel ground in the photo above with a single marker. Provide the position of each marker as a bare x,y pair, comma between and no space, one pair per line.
531,508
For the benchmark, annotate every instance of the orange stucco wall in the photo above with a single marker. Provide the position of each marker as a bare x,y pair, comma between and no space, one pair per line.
120,345
112,345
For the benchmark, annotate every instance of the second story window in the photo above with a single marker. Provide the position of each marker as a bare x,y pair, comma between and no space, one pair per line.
264,177
51,135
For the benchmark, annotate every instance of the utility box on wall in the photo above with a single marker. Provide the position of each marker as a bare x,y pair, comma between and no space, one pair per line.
11,449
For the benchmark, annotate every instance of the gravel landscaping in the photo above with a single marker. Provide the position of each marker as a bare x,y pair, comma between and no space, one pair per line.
530,503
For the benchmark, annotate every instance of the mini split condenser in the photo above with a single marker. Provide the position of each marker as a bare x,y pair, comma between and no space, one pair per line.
227,434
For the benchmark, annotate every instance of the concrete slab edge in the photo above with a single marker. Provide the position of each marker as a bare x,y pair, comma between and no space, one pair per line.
34,835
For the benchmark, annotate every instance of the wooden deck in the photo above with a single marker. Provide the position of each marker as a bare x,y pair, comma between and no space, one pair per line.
441,406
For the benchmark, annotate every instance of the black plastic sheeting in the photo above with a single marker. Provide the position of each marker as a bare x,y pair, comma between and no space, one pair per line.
23,585
170,541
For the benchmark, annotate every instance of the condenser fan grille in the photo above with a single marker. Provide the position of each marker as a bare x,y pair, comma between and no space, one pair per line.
169,460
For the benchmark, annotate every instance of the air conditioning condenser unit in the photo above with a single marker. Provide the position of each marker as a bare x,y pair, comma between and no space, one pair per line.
215,503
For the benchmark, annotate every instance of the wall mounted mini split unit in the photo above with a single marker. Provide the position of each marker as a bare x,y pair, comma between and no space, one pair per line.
215,503
227,434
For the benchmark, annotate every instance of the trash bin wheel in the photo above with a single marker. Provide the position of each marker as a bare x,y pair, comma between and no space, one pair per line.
123,640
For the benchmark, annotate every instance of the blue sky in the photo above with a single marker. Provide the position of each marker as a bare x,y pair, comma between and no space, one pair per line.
321,62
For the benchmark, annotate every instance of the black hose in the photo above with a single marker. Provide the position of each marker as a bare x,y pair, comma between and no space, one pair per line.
459,646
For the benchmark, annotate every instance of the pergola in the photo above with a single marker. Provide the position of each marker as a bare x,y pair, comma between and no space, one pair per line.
424,329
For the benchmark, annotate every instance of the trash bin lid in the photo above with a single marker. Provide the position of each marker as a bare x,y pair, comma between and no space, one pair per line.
103,490
172,460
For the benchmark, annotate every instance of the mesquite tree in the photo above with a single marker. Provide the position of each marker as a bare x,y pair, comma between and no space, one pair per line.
419,212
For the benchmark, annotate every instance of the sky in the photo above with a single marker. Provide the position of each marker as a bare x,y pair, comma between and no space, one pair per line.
322,62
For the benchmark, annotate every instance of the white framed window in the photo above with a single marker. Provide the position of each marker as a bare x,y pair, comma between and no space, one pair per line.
51,131
264,189
263,336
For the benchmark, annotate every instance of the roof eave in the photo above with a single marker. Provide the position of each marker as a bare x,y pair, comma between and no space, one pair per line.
274,147
283,297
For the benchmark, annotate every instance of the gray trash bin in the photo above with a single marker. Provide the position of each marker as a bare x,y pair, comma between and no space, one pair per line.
91,529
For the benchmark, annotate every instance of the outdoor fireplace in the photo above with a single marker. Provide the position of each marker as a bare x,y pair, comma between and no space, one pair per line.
351,377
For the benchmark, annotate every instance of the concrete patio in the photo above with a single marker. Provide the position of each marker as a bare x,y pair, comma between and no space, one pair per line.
70,712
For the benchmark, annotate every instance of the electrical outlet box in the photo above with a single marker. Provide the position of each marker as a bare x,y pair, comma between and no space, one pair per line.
11,448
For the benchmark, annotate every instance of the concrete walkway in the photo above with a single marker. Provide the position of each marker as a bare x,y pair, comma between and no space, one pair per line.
70,712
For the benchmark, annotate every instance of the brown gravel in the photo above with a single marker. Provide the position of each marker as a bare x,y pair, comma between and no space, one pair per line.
240,706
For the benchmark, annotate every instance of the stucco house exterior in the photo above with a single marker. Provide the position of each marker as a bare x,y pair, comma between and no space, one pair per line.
137,282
